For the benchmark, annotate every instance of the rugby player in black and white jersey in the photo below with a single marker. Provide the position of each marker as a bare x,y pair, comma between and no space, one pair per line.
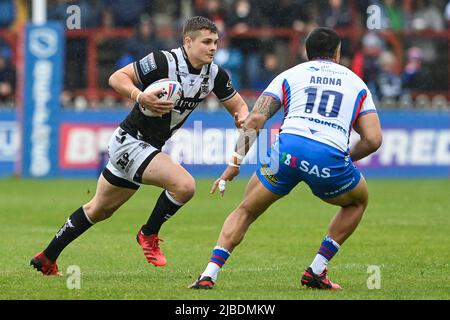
135,147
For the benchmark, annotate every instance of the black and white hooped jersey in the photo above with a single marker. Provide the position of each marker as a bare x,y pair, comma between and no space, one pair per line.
196,83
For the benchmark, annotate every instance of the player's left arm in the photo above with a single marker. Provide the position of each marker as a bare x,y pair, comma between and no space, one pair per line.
369,129
265,107
368,126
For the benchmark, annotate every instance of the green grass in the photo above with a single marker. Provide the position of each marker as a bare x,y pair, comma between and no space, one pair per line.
405,232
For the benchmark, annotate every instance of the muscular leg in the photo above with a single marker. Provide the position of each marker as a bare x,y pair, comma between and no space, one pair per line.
108,198
256,200
353,203
179,188
161,171
165,173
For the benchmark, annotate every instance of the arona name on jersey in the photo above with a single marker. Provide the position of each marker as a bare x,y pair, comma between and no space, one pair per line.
325,80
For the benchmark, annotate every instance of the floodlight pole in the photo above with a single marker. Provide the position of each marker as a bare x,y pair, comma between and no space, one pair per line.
39,11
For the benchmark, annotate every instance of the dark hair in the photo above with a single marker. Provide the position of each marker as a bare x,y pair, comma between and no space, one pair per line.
322,42
198,23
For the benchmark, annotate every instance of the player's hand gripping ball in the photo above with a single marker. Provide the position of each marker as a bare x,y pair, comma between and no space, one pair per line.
172,92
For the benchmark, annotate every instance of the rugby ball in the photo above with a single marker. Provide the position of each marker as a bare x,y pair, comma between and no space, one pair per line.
172,91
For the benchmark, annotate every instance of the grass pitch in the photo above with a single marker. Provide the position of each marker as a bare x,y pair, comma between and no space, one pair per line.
404,233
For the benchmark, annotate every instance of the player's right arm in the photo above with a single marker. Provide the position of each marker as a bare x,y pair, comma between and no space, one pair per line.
124,81
265,107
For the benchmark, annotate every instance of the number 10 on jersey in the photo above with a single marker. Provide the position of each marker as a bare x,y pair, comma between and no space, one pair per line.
323,102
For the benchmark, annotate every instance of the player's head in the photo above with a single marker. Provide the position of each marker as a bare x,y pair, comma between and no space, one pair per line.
323,43
200,36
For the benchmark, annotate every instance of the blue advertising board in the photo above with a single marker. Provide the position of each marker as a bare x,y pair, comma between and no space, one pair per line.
39,116
415,144
9,142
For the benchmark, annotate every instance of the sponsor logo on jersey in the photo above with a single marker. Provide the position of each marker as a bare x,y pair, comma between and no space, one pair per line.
312,69
185,104
148,64
268,174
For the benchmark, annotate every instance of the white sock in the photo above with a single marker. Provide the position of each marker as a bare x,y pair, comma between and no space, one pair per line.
218,257
319,264
211,270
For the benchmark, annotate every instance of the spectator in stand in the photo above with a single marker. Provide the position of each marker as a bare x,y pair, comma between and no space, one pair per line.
364,62
7,77
144,41
268,70
91,13
336,14
415,76
56,9
214,11
392,15
107,18
230,59
447,14
125,12
22,14
301,52
426,15
287,14
388,82
244,17
8,13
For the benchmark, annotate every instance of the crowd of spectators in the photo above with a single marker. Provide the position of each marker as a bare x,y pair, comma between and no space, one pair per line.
254,61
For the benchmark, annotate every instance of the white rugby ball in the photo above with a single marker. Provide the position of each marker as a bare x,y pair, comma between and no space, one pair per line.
172,91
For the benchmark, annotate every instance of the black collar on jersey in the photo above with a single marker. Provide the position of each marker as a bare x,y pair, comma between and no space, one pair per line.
190,66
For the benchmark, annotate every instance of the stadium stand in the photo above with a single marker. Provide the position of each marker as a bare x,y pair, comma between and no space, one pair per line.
405,62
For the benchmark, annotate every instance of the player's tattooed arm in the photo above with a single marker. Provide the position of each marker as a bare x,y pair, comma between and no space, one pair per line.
265,107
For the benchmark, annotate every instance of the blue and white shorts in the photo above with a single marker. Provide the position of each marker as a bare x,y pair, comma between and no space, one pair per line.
328,171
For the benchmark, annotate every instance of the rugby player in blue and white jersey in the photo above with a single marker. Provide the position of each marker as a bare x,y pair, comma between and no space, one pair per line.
323,101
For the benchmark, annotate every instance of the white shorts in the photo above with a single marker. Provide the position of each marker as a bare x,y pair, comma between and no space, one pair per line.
128,158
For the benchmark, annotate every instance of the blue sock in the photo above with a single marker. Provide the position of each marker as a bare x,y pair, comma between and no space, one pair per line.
326,252
218,258
328,248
